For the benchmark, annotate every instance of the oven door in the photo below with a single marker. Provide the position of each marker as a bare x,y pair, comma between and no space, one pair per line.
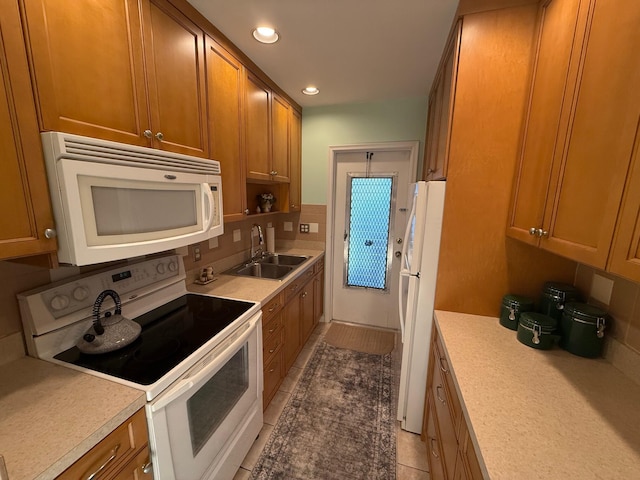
204,425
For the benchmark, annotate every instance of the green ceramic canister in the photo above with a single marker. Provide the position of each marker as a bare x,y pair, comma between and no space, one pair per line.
583,328
511,308
554,296
536,330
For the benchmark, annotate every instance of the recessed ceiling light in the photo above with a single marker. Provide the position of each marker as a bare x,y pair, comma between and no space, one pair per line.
310,91
265,35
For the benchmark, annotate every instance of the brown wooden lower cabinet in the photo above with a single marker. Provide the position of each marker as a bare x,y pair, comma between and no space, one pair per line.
450,451
123,454
287,323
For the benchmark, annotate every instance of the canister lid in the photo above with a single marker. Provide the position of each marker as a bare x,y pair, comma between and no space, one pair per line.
584,311
560,290
517,302
546,323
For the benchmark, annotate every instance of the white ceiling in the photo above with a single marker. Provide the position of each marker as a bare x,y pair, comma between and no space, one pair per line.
352,50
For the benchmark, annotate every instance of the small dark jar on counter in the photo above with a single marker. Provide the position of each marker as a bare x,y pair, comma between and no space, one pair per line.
536,330
554,296
511,308
583,329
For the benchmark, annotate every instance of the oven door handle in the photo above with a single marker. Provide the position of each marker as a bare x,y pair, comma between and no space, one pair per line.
213,360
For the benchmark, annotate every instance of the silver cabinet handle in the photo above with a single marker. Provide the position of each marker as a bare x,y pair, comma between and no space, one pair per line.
246,211
438,394
147,134
442,368
533,231
147,468
114,454
160,136
304,294
431,440
50,233
542,233
275,305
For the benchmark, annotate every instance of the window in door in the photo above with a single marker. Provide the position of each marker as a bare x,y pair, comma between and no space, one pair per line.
370,213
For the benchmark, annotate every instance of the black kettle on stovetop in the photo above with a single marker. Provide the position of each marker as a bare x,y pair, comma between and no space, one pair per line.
110,333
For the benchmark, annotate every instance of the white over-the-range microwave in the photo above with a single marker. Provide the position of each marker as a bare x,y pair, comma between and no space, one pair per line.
113,201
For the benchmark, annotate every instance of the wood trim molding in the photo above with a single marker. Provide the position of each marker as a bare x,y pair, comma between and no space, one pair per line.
467,7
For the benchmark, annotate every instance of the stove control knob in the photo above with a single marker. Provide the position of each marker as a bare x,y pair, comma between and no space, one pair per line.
80,293
160,268
59,302
173,266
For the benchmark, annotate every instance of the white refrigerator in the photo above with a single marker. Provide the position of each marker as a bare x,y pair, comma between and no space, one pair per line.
418,274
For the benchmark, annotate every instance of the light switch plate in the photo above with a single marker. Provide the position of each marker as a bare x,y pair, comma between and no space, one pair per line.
237,236
213,242
601,288
313,228
288,226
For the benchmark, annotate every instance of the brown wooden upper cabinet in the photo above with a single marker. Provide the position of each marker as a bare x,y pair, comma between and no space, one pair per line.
258,128
280,118
123,70
295,161
24,195
225,93
580,131
441,102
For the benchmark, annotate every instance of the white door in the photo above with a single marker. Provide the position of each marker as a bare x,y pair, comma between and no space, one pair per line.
370,213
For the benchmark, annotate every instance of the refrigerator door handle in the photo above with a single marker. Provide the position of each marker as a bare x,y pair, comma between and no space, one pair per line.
404,272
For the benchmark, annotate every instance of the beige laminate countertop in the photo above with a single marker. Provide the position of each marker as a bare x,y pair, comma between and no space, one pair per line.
536,414
52,415
256,289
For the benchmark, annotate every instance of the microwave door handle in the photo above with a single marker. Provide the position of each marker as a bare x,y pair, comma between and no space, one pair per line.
208,199
217,361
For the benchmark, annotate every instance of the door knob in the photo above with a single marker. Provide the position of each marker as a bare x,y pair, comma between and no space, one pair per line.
398,254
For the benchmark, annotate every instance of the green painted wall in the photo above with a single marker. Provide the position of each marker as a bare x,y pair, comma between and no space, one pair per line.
324,127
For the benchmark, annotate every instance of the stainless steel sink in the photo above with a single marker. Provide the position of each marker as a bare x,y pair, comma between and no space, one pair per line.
274,267
261,270
280,259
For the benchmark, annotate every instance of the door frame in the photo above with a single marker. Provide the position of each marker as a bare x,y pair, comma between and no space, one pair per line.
412,147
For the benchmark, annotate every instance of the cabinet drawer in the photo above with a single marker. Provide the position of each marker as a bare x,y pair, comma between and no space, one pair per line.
272,307
297,284
441,364
112,452
445,421
272,326
136,468
434,452
319,266
272,345
273,374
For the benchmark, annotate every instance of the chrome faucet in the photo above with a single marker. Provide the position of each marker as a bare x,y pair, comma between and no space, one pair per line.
256,252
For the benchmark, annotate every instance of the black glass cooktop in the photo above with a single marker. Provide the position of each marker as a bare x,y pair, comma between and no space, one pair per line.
170,334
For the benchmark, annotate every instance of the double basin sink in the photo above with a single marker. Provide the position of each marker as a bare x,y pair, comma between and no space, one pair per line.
274,267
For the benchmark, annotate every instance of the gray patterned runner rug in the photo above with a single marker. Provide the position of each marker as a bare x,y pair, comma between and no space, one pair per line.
339,423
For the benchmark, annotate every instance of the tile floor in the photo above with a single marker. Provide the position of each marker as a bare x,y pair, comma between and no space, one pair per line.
410,451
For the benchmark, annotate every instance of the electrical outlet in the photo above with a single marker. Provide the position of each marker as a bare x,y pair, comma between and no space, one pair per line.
196,254
304,228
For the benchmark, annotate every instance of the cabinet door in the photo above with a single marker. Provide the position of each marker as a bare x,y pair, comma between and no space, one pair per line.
625,253
280,115
295,161
306,318
440,110
559,29
224,93
291,319
174,53
318,297
596,150
88,68
258,131
24,196
137,469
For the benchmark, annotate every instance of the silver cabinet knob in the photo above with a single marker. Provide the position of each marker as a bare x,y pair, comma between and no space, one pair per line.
147,134
246,211
147,468
533,231
50,233
160,136
274,173
542,233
